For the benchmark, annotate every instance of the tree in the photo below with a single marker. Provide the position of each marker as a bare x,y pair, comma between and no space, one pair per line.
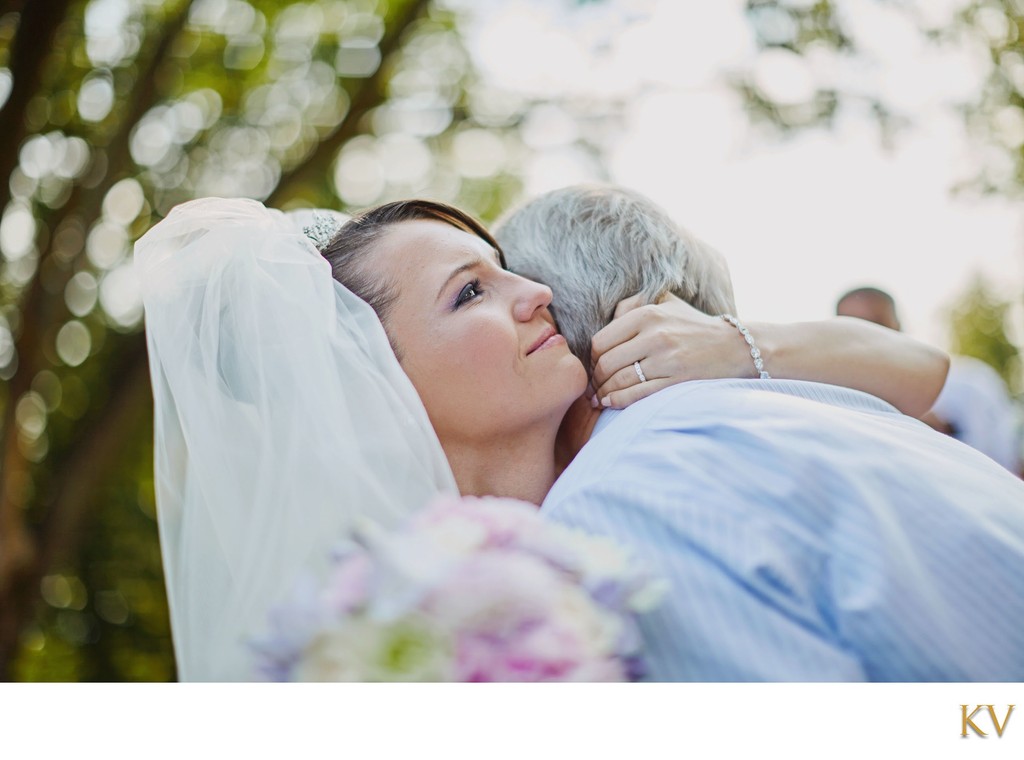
820,33
117,110
990,31
979,327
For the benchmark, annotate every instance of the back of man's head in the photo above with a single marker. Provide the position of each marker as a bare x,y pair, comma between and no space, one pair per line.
595,245
869,303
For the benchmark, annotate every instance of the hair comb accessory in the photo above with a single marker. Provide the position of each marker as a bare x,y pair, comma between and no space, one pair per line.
322,230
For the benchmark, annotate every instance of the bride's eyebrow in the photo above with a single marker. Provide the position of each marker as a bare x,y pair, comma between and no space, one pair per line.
455,273
471,265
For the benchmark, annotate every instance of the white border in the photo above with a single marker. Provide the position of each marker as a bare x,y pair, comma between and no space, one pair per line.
496,721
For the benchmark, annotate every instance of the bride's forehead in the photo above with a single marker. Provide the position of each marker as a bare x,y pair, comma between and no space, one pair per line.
423,243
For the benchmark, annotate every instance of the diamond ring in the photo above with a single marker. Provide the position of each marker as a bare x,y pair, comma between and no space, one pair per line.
639,372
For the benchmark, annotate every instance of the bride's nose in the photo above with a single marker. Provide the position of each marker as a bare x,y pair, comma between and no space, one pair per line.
530,297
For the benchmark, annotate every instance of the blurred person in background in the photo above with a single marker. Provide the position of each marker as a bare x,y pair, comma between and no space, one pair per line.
974,407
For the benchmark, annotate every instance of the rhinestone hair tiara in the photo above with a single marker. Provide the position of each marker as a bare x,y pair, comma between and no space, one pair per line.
322,230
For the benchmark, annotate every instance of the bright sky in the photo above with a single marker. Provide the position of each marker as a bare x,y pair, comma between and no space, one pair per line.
799,220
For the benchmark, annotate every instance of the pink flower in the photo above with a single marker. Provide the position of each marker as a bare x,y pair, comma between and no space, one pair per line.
349,584
467,590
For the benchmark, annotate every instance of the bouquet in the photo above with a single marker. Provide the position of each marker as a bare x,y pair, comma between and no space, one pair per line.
469,589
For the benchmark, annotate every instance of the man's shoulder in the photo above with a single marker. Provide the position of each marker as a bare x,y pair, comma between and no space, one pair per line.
674,427
683,398
693,427
622,440
724,403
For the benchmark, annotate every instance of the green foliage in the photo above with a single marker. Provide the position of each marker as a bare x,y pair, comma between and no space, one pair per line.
996,118
105,618
819,31
979,327
796,29
119,110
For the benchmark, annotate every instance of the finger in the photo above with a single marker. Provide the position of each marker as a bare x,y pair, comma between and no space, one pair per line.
618,331
622,399
627,305
638,348
620,380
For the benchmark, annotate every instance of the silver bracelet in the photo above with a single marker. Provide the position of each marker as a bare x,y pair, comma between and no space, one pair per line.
755,354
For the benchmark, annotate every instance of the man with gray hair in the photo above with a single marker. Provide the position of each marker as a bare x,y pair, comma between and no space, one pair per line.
601,245
807,532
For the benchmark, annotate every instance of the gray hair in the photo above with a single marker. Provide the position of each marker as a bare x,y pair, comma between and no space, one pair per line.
595,245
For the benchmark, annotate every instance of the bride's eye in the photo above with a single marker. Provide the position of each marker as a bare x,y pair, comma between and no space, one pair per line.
470,291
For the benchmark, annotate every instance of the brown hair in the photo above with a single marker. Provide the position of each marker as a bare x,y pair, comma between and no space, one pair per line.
358,236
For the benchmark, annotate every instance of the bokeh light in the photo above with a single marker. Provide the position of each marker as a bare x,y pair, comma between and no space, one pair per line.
30,414
112,607
6,82
95,98
404,160
17,232
73,343
81,294
47,386
106,245
549,126
6,345
358,174
120,296
57,591
479,153
124,202
357,58
152,138
110,36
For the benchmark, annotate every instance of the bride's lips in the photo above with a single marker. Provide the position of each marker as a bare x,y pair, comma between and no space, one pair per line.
549,337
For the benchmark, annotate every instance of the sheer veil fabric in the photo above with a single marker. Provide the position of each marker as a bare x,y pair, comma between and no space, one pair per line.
282,418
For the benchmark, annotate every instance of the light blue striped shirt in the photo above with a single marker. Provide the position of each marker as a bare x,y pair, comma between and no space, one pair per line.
808,533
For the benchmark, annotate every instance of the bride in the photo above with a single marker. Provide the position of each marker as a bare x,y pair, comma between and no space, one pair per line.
289,406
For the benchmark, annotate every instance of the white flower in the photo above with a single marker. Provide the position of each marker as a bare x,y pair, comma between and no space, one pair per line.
362,650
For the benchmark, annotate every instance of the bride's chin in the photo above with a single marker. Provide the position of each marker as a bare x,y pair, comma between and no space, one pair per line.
580,379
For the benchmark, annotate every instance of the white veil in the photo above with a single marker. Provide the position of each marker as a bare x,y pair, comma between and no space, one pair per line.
281,418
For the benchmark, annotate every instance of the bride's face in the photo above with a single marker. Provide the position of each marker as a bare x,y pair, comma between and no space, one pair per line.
477,341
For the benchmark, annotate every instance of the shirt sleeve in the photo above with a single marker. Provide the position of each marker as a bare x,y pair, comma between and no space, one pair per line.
738,607
808,542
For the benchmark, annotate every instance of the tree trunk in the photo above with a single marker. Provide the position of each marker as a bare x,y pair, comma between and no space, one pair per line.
25,558
92,458
33,42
